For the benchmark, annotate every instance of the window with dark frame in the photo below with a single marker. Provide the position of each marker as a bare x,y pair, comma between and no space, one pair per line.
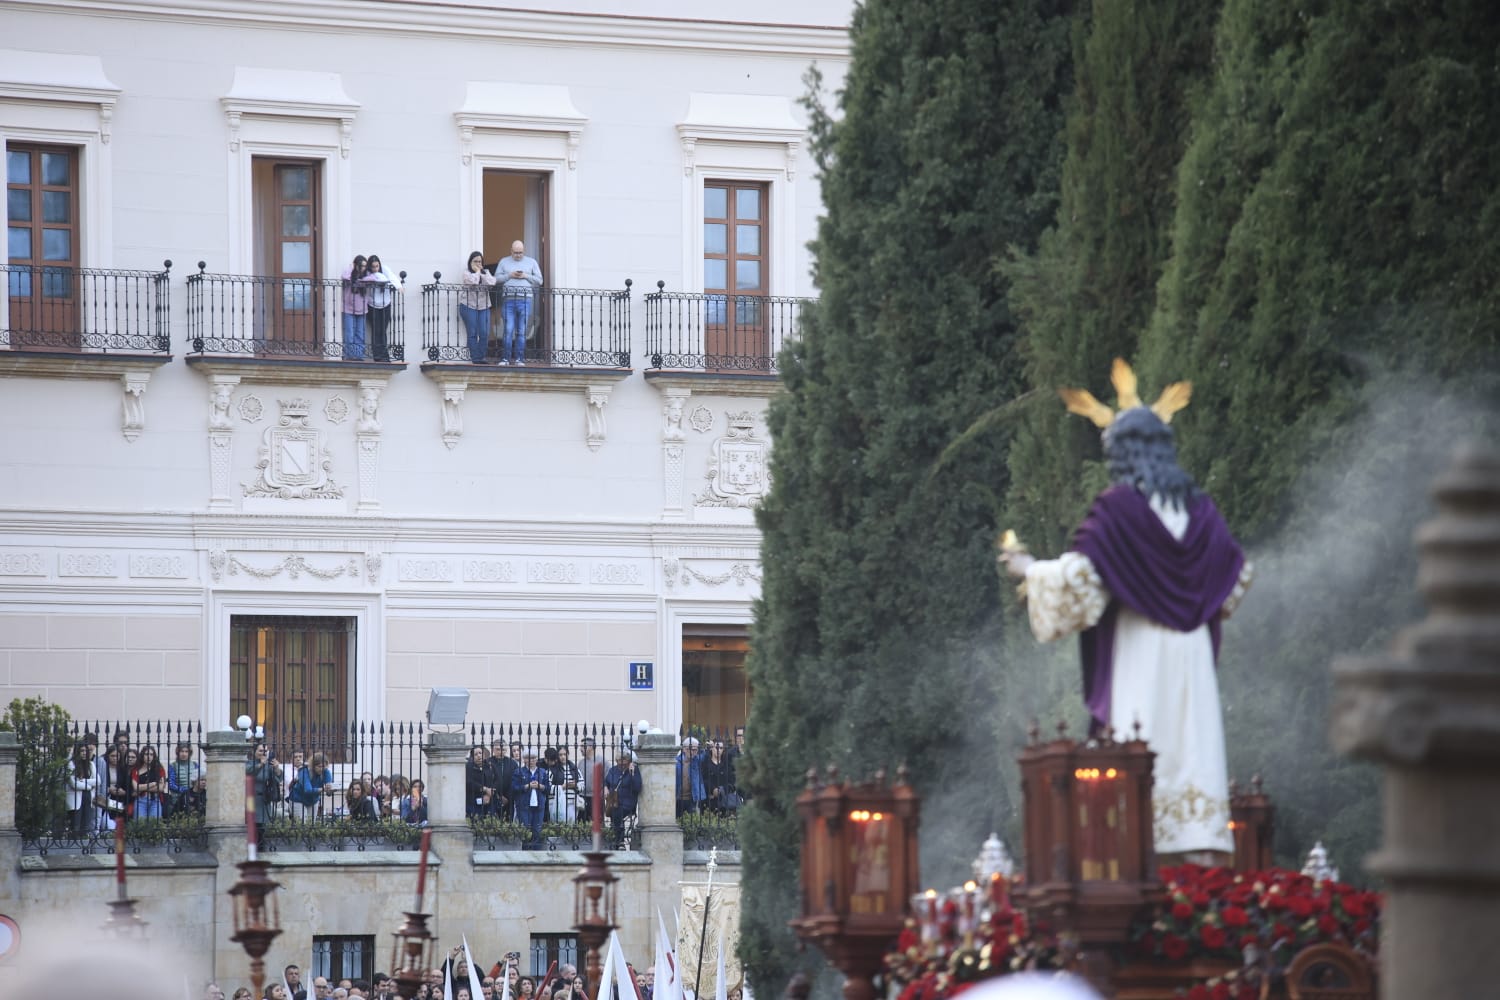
549,948
288,252
736,271
292,673
338,957
42,241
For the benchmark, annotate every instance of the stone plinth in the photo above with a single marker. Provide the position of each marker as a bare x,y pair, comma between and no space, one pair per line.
1429,713
446,755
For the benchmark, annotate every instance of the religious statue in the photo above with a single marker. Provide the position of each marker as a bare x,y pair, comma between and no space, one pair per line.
1152,572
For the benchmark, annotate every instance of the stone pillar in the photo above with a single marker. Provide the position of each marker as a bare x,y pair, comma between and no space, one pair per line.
1429,713
10,848
225,752
661,837
452,859
446,754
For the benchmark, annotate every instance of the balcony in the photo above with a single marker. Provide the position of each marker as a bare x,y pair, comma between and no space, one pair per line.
718,339
84,322
81,309
564,327
315,331
575,340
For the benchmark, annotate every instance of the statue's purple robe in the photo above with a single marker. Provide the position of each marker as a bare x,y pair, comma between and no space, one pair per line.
1177,584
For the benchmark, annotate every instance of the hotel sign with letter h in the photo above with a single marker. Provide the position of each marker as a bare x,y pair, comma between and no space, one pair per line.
642,677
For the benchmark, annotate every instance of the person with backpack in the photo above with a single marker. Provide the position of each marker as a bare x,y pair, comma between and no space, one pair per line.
313,782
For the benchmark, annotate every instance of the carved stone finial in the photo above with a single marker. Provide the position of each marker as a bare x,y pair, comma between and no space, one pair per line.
833,774
812,777
903,773
1136,728
1034,731
1234,787
1062,729
1255,782
880,776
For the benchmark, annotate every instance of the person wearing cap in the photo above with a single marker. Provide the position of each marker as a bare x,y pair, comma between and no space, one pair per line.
529,788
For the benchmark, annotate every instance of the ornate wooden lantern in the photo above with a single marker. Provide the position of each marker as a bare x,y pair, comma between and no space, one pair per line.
594,906
859,868
256,925
1090,859
1252,820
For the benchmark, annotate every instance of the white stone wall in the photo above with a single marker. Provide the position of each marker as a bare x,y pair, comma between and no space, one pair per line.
528,561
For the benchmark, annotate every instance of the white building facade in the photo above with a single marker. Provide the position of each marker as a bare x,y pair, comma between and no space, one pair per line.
218,497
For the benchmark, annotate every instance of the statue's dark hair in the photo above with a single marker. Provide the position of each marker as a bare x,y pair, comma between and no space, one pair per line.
1140,450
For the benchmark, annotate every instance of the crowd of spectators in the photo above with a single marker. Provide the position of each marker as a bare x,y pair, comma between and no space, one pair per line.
507,781
126,781
563,982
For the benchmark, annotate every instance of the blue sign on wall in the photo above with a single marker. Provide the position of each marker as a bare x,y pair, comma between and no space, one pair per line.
642,676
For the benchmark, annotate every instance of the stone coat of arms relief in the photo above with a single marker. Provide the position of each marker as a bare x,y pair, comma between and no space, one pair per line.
294,462
737,474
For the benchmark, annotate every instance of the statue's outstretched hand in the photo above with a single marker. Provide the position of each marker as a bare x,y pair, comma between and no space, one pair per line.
1016,562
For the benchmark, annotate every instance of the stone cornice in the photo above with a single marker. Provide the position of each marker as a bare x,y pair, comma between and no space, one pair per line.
711,383
196,529
530,27
291,371
78,364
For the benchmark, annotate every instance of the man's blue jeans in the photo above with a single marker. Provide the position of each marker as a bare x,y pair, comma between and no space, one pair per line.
516,310
477,325
354,336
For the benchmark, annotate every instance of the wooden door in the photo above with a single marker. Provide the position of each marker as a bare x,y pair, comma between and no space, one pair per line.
736,276
289,297
42,232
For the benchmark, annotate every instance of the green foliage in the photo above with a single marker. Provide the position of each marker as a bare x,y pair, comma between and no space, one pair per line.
153,832
701,831
45,749
875,632
1337,210
499,831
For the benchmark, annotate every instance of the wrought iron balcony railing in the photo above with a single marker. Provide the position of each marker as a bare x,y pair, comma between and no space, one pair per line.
717,332
562,327
85,309
275,317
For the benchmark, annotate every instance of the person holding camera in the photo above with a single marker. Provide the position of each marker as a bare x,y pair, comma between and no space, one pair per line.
263,768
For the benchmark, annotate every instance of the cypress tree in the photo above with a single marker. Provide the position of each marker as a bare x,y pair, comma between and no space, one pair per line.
879,591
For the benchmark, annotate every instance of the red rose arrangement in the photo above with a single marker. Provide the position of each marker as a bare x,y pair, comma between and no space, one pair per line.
1258,921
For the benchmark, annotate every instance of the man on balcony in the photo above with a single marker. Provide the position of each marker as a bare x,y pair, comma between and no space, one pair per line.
520,278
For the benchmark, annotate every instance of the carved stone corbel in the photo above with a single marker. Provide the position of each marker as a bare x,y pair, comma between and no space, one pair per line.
466,143
689,151
453,409
234,130
574,138
598,396
346,136
106,122
133,419
791,160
